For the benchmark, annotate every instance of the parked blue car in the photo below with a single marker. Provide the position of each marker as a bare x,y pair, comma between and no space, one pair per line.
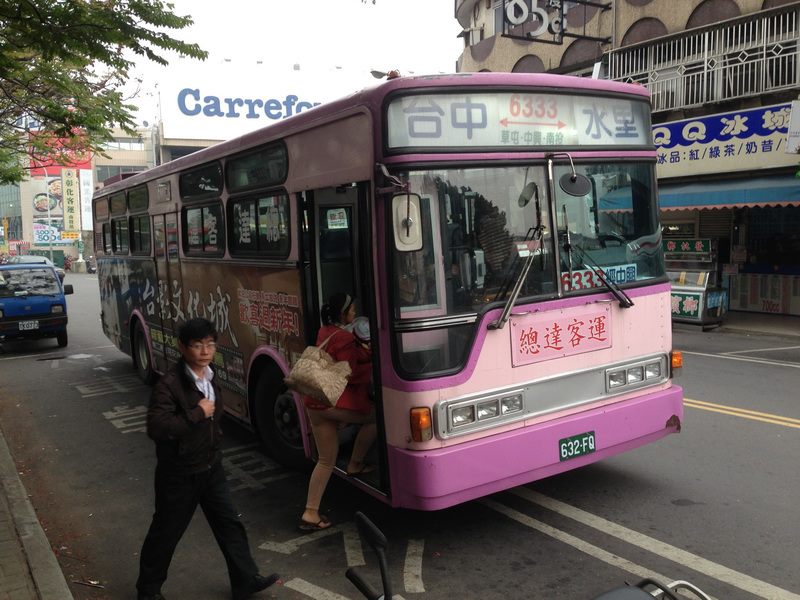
32,303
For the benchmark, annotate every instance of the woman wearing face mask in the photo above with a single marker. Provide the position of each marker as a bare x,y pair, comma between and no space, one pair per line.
353,406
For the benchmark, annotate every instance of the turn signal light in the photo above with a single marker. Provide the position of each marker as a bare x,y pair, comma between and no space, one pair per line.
676,359
421,424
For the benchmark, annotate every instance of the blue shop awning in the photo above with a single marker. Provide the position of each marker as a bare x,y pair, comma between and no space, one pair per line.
759,191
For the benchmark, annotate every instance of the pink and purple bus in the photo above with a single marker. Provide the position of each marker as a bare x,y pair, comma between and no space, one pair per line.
500,232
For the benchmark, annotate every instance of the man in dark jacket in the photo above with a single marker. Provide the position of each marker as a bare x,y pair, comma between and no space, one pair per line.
183,419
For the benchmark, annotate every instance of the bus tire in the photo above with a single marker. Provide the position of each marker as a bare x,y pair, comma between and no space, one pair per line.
62,338
278,422
141,355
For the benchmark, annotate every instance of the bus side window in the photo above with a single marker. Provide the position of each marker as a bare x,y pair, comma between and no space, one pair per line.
106,238
119,235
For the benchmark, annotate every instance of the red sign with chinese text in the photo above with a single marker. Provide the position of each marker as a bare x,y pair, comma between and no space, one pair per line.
555,334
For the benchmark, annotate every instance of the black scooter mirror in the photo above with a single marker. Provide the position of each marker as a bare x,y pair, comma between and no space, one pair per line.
575,184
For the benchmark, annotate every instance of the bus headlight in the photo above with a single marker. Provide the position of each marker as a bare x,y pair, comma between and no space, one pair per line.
652,371
462,415
511,404
640,374
635,374
488,410
616,379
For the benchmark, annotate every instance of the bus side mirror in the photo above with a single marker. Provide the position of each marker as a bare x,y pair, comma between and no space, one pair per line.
407,222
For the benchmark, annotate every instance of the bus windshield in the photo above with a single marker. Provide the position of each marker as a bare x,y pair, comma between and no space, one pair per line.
478,223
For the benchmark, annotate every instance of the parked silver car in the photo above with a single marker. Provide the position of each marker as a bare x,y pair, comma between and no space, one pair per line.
34,259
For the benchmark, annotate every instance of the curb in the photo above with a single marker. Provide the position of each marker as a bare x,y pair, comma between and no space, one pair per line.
44,568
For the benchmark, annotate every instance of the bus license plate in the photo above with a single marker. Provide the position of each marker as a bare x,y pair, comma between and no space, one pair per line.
577,445
28,325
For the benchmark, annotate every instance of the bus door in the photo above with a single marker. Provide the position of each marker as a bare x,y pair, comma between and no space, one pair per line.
168,271
334,251
338,248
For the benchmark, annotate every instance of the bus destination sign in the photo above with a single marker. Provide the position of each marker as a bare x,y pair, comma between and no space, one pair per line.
516,120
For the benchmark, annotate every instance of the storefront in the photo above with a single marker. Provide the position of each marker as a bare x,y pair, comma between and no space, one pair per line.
727,178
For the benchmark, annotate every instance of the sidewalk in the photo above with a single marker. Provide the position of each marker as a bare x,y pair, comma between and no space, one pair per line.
28,568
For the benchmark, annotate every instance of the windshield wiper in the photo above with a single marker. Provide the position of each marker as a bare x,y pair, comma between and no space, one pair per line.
525,250
534,233
623,298
567,244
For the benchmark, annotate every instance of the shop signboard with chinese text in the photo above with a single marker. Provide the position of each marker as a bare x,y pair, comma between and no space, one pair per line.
69,187
46,235
727,142
674,246
686,305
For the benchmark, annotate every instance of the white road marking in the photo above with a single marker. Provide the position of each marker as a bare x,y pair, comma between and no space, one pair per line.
575,542
776,363
45,354
128,419
295,544
317,593
762,350
352,545
100,386
351,541
412,572
692,561
17,357
311,590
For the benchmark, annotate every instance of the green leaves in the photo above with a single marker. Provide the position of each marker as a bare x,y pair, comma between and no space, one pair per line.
62,66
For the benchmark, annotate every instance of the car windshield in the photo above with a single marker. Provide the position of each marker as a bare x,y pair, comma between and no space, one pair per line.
28,281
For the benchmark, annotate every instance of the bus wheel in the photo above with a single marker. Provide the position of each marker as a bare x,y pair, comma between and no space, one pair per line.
278,423
62,338
141,356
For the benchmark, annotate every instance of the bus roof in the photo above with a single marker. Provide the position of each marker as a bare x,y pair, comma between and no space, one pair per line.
372,99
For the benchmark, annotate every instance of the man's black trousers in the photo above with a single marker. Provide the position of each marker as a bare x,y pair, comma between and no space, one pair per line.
177,497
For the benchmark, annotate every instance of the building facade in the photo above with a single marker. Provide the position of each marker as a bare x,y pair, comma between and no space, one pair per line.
50,213
723,75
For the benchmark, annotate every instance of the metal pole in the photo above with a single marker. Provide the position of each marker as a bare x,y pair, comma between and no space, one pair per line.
49,221
47,197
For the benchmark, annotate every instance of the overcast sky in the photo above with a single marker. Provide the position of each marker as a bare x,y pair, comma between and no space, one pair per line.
343,36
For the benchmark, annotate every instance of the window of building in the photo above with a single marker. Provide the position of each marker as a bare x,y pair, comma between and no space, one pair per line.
104,172
124,143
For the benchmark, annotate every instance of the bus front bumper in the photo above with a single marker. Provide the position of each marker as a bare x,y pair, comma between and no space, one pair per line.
436,479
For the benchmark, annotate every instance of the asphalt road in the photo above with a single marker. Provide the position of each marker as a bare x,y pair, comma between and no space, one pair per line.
716,504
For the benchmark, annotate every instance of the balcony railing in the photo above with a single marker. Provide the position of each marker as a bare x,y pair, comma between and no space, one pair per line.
740,58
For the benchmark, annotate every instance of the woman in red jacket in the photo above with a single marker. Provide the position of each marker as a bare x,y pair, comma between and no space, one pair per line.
353,406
